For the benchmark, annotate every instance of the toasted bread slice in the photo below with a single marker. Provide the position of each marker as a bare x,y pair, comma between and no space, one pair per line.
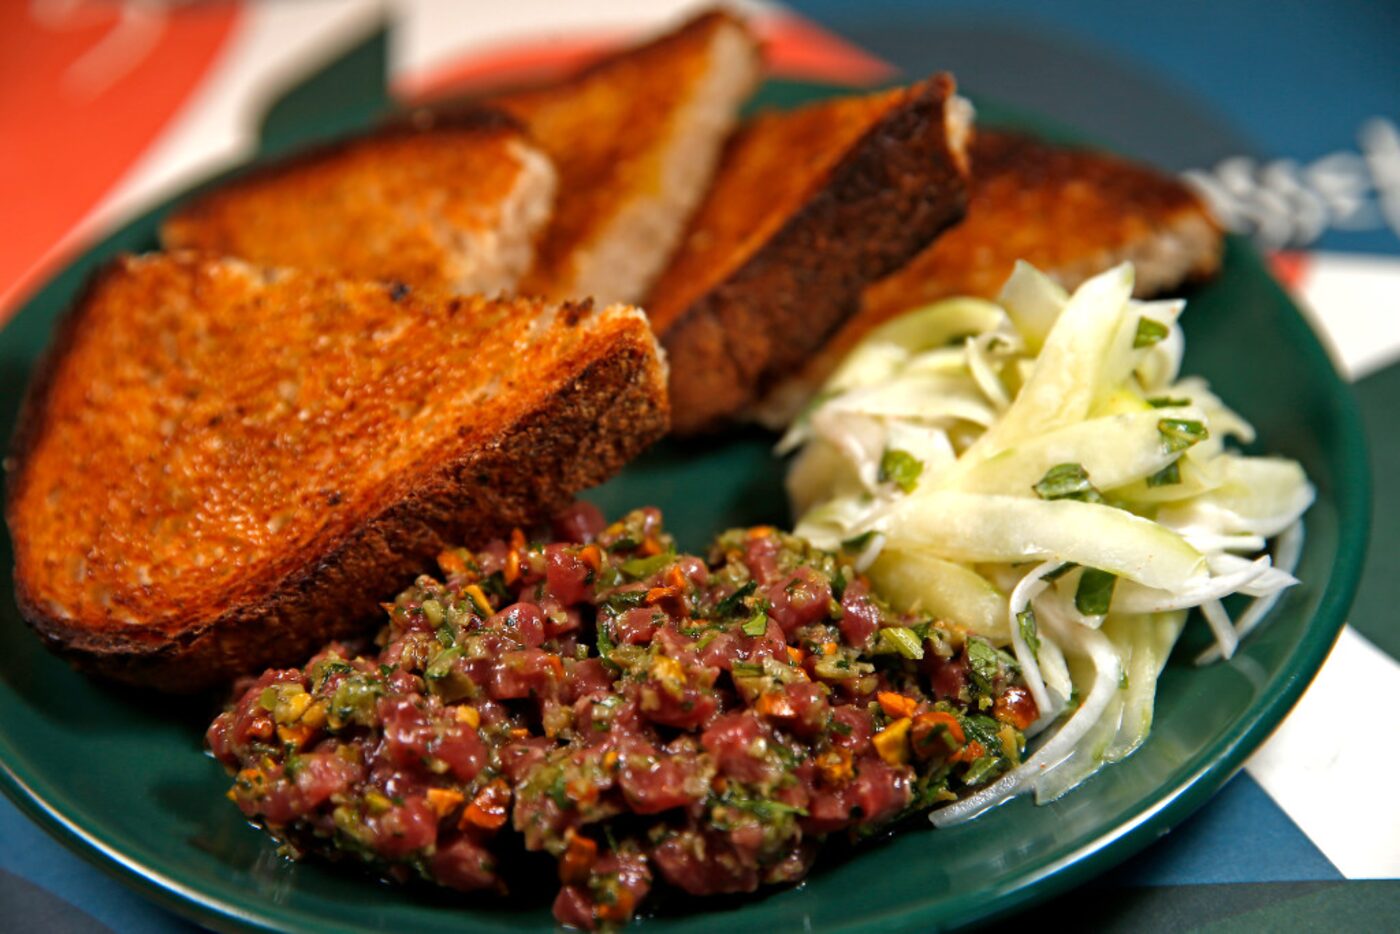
221,466
1072,213
635,138
809,207
457,205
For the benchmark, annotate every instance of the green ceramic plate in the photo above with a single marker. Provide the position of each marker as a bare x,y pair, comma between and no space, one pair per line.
121,777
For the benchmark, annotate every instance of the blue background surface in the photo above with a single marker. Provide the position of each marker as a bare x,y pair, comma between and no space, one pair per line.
1182,84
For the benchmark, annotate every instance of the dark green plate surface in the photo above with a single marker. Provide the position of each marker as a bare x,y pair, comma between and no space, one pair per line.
121,777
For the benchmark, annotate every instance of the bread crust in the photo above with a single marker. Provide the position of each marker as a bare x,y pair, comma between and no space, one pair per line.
772,303
605,402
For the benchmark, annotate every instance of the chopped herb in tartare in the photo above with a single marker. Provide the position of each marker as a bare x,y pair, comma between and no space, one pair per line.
643,716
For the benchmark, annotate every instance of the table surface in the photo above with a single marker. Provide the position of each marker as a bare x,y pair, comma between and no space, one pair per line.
1285,114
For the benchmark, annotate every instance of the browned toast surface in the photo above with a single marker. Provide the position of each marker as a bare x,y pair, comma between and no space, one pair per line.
457,205
808,207
635,138
1069,212
221,466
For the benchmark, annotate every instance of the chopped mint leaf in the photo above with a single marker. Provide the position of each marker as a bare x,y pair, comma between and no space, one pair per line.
1095,592
983,663
730,604
1178,434
605,643
621,600
1148,333
1029,632
757,625
1067,481
639,568
903,640
858,543
1167,476
901,468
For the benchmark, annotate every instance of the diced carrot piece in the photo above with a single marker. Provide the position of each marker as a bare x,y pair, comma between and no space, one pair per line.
444,801
477,816
937,733
295,735
511,572
892,743
581,791
897,705
578,859
469,715
775,704
658,594
969,753
478,596
650,546
835,766
592,556
489,809
315,715
666,670
620,909
828,648
452,563
796,654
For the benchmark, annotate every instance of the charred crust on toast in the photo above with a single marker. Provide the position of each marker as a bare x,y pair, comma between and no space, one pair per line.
592,426
888,196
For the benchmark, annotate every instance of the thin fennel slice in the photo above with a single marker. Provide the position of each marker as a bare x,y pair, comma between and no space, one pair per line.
1066,493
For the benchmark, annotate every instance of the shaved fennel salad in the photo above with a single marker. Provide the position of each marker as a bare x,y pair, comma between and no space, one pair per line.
1035,470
